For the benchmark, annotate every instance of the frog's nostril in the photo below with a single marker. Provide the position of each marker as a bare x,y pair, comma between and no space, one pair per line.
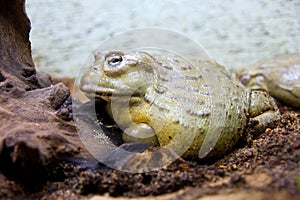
98,55
95,68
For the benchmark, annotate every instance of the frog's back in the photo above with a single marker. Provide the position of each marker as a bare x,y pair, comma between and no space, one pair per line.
199,103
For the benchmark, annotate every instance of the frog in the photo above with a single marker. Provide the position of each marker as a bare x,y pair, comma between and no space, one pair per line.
279,76
193,106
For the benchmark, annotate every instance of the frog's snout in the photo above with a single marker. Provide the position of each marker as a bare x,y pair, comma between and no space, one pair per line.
86,83
254,82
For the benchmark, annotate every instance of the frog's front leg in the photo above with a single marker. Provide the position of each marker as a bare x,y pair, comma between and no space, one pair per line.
263,112
141,132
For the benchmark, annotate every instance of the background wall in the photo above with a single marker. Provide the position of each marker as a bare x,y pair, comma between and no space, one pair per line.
234,32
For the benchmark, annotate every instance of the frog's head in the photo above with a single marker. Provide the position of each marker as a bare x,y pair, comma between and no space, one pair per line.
255,80
118,73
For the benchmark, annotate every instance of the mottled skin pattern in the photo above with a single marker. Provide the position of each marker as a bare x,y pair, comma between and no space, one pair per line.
190,106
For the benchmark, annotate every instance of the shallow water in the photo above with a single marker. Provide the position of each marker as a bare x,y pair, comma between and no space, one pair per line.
235,33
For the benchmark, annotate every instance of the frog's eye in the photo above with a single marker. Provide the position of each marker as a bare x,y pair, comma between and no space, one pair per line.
114,60
245,79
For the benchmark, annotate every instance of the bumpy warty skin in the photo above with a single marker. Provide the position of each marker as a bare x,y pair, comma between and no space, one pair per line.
192,105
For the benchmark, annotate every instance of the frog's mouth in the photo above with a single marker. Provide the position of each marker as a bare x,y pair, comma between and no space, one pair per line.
106,93
103,90
106,96
96,93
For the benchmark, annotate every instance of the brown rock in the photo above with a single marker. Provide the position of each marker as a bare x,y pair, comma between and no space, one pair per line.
16,63
31,134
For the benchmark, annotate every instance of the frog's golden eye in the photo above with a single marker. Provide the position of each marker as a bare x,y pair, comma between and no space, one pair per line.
114,60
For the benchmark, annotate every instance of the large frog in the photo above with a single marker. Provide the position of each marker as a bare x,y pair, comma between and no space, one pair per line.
193,106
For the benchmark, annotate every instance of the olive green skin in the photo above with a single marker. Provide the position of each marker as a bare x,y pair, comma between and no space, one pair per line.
280,77
195,108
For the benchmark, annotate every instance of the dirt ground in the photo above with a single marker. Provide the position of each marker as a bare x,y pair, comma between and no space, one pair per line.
266,167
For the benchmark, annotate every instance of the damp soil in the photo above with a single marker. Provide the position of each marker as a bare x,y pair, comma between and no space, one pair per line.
267,164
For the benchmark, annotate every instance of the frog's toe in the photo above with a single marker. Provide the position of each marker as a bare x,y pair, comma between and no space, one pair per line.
265,120
263,112
142,133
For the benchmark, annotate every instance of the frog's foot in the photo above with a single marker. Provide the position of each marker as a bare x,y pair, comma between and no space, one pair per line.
265,120
142,133
263,112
